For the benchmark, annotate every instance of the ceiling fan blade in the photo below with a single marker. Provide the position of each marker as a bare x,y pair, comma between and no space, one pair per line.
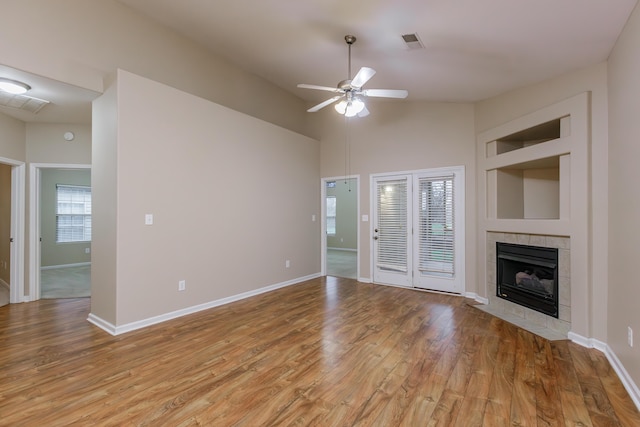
362,77
364,112
323,104
316,87
386,93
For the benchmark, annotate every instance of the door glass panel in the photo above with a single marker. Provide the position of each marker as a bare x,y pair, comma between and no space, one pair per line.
436,227
392,250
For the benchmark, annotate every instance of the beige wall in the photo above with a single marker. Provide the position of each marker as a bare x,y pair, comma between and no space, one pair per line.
81,43
45,143
402,136
509,106
346,194
104,194
52,253
222,186
5,222
12,138
542,193
624,200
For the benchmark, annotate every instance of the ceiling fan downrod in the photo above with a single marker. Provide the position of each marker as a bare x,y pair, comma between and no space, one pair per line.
350,40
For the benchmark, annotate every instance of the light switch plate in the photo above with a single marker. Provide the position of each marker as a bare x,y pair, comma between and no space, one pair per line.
148,219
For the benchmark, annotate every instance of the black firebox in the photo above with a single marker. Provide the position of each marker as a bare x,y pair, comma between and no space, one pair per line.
528,275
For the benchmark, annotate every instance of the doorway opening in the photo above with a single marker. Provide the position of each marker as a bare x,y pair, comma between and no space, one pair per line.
12,182
61,219
340,211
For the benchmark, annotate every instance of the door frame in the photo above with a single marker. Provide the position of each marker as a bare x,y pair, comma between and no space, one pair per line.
17,249
34,221
460,172
323,222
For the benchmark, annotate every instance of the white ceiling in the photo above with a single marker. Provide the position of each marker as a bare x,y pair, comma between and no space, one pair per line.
68,104
474,49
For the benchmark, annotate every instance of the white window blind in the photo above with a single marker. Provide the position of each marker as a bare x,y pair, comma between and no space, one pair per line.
73,213
331,215
392,222
436,231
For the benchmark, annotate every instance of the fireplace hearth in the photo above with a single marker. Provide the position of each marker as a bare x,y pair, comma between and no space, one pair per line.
528,275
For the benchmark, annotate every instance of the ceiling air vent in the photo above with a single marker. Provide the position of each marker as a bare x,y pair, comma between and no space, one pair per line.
412,41
22,102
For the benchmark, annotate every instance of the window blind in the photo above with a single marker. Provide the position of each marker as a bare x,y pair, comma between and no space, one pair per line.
436,230
73,213
392,222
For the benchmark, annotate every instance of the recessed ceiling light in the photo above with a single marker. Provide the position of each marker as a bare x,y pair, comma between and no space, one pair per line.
13,86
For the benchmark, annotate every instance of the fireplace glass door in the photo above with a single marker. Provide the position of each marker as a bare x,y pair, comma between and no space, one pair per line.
528,275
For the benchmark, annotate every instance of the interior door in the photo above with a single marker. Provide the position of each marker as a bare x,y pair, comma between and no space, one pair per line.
392,259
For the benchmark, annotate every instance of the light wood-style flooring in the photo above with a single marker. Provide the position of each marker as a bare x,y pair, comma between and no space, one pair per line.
327,352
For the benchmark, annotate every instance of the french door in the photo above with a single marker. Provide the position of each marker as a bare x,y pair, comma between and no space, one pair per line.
418,229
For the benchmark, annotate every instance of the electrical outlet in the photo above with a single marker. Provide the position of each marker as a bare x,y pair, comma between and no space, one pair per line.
87,250
287,263
630,336
182,285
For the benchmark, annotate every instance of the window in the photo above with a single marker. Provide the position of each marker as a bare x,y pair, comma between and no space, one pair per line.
331,215
73,213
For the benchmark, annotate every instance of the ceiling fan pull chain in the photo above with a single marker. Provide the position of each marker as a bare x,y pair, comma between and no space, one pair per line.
349,70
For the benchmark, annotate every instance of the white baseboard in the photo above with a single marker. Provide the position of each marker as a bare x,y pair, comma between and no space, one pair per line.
78,264
477,298
117,330
365,280
624,376
102,324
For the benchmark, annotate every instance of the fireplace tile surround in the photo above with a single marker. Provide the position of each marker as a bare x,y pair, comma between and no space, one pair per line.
541,324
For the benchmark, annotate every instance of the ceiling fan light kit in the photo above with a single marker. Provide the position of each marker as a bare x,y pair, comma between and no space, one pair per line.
350,91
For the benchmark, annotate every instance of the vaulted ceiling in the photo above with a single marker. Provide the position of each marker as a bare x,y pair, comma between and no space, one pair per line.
472,49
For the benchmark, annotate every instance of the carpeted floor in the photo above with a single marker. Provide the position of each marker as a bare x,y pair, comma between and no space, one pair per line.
342,263
67,282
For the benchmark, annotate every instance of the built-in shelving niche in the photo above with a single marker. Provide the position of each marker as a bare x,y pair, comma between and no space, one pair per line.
528,137
528,184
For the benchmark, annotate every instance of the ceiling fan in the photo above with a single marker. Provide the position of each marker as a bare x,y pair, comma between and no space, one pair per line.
351,92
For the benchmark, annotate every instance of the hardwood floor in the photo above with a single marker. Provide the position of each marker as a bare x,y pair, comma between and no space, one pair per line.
327,352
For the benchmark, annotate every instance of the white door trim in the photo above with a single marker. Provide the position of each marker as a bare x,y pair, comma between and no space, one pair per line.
323,222
34,221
